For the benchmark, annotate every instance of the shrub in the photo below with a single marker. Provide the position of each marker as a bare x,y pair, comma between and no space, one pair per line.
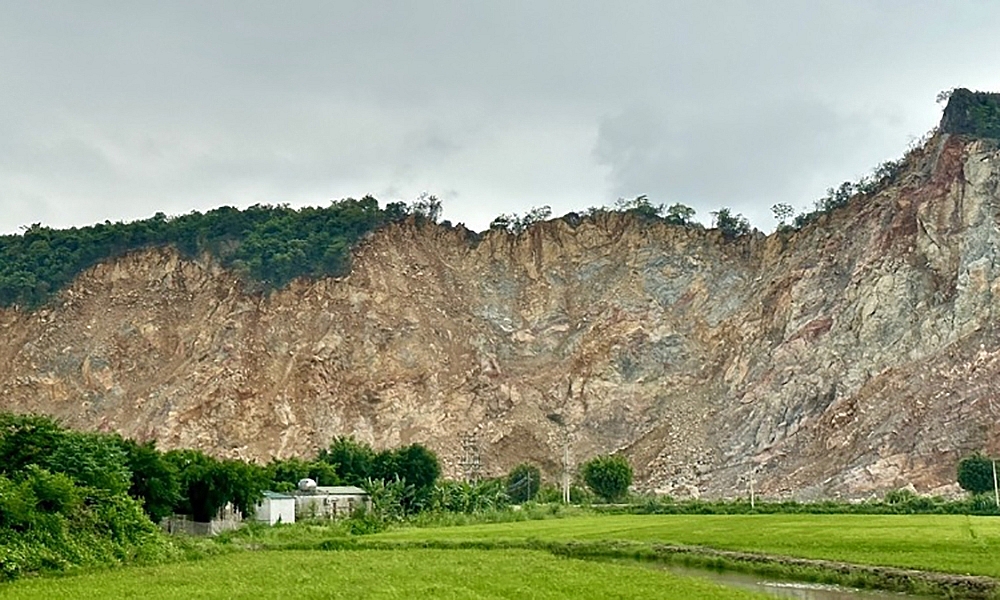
608,476
975,473
731,226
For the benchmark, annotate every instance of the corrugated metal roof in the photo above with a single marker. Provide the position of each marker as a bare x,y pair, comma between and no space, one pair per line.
341,490
277,496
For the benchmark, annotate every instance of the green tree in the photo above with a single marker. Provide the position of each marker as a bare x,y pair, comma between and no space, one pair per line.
517,224
975,473
353,460
245,484
523,483
731,225
208,484
288,472
608,476
782,212
415,465
155,481
679,214
426,207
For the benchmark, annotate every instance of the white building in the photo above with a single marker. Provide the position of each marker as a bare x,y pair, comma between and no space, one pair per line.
275,508
312,501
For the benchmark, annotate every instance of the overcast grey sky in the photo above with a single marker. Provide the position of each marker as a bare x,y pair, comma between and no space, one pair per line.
118,110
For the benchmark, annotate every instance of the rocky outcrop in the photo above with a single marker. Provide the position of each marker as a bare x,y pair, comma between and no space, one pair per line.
856,355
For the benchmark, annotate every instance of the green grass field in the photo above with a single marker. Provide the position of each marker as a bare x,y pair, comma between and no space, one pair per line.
956,544
949,543
377,574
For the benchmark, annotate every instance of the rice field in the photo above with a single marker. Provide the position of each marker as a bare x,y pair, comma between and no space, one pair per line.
946,543
377,575
394,565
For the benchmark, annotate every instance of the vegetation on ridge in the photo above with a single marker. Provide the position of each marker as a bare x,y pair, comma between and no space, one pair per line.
971,113
266,245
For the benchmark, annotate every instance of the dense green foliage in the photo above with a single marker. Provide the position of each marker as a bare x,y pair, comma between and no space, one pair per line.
155,481
523,483
88,459
207,484
975,474
608,476
267,245
640,207
897,502
414,465
286,474
354,460
972,113
181,481
63,500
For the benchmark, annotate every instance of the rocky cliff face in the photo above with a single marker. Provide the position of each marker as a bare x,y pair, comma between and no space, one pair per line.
857,355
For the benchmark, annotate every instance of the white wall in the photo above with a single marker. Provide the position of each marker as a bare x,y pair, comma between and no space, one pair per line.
273,510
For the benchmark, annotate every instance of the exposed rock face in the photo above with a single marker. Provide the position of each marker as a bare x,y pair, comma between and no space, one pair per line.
857,355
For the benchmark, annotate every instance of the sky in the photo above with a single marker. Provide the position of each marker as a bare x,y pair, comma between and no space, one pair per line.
118,110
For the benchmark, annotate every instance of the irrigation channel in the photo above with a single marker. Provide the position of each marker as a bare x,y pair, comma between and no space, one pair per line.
784,589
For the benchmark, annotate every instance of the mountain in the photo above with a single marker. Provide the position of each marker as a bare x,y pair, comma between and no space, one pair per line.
857,354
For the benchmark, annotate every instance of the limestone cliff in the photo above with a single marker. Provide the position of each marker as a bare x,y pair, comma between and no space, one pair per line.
856,355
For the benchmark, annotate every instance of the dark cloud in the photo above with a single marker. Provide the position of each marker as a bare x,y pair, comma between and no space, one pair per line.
117,110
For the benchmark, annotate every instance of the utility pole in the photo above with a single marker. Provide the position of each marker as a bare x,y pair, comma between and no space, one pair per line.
996,489
752,505
566,470
558,420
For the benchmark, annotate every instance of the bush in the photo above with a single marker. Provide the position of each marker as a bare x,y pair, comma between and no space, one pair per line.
90,459
608,476
732,226
357,464
975,473
48,523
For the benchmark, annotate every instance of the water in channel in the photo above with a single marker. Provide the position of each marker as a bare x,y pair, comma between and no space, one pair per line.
785,589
